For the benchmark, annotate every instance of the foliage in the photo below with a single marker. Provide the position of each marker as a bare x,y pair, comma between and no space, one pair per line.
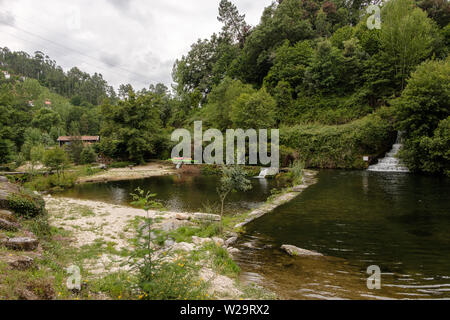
88,155
56,159
233,180
297,172
423,112
52,182
407,37
131,130
219,108
159,278
254,111
340,146
26,204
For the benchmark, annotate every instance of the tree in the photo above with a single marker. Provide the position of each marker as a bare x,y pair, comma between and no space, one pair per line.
131,129
45,119
88,155
422,112
235,27
325,71
407,37
56,159
233,180
218,110
290,64
254,111
36,155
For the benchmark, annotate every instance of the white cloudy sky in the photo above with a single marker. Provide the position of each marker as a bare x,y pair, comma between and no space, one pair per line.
128,41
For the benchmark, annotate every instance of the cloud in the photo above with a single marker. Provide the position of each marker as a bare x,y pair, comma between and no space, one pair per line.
6,18
127,41
111,60
121,4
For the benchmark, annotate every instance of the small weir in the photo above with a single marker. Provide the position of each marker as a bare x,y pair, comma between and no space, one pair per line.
390,163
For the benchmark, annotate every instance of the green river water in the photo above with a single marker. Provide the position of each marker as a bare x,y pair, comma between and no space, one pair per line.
399,222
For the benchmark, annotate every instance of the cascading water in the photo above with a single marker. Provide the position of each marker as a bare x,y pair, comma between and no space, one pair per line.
267,172
263,174
391,163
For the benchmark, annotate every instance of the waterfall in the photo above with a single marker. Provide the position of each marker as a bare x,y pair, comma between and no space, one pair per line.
263,173
390,163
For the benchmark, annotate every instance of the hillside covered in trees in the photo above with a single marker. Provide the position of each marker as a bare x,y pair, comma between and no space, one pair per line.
337,89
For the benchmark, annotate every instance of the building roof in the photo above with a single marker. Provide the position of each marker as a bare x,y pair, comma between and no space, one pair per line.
83,138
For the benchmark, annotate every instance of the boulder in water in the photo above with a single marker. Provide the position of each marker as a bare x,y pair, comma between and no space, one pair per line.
298,252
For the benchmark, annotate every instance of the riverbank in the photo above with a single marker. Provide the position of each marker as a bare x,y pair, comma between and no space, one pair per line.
153,169
100,239
111,229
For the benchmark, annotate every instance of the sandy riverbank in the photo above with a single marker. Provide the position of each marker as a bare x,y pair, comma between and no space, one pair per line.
91,222
140,172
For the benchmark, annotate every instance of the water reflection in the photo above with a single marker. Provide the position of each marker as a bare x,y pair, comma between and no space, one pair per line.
183,192
399,222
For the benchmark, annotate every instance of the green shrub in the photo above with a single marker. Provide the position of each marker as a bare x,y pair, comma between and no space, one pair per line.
343,146
26,204
119,165
53,182
88,155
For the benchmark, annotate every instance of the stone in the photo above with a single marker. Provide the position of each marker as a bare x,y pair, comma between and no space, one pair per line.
230,241
169,243
240,225
298,252
25,294
182,217
171,225
8,226
207,217
233,250
7,215
299,188
20,263
183,246
3,179
200,241
21,244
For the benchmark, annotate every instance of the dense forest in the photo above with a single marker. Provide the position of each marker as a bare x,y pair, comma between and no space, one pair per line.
337,89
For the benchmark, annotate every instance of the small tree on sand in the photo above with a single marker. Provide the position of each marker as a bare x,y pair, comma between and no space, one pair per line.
56,159
233,180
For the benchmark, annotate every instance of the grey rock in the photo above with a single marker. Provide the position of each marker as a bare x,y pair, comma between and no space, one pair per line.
169,243
3,179
200,241
298,252
182,216
233,250
230,241
20,262
183,246
7,215
8,226
21,244
207,217
171,225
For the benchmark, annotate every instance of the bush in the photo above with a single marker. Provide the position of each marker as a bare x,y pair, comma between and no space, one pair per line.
26,204
341,147
53,182
119,165
88,155
423,114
